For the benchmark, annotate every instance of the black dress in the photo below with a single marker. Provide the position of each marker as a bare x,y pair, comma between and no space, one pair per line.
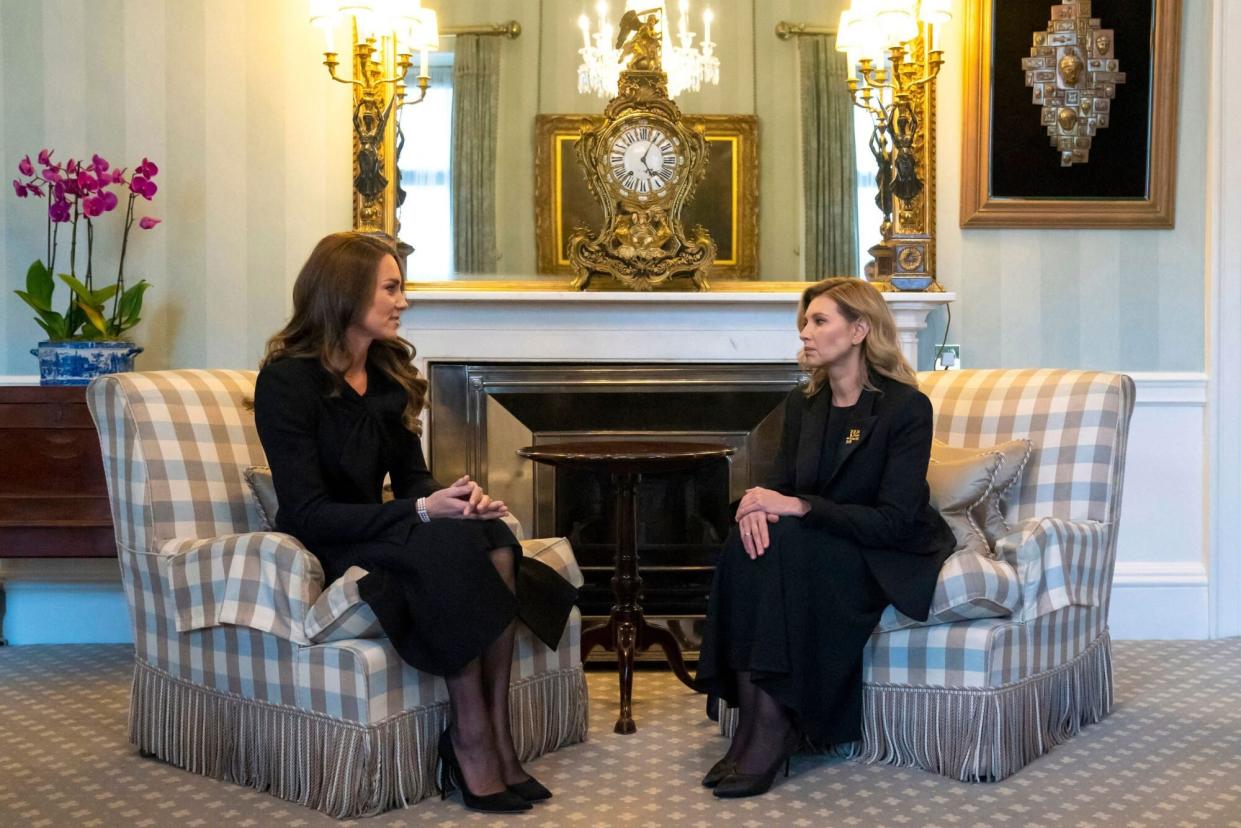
432,586
798,617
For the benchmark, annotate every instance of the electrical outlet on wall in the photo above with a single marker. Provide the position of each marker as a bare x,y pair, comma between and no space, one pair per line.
948,358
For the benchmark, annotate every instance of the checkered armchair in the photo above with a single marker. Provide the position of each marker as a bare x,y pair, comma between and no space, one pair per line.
246,668
977,699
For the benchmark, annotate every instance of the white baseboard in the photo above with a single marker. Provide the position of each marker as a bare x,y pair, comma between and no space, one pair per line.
19,379
1161,599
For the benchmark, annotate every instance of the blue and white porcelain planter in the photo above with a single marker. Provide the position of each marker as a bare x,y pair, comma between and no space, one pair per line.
79,362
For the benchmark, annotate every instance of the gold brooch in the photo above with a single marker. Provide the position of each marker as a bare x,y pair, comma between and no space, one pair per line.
855,434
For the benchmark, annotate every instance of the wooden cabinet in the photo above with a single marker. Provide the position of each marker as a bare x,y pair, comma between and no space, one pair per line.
53,498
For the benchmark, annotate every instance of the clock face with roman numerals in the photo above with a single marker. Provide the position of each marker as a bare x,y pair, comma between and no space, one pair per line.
644,160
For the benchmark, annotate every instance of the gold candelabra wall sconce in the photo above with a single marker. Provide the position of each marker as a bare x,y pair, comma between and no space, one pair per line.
384,37
893,61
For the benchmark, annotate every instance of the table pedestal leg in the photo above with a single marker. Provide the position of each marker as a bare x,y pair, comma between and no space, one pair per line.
627,631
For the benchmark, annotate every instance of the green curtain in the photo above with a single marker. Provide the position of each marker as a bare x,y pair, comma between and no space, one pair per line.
475,117
829,172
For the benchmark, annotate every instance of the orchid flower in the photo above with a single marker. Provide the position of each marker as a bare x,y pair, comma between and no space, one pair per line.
86,190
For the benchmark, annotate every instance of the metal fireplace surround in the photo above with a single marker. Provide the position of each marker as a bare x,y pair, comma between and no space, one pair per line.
480,414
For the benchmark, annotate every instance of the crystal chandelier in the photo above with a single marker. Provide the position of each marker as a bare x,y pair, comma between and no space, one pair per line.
687,66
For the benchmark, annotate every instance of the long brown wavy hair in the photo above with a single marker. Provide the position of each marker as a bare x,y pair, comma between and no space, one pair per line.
881,349
335,289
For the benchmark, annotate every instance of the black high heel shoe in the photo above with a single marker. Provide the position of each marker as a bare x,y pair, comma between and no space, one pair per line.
450,777
718,771
531,790
738,785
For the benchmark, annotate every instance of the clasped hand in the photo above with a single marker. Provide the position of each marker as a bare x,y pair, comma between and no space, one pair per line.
464,500
758,508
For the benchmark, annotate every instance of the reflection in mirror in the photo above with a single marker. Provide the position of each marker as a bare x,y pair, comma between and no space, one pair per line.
425,180
426,175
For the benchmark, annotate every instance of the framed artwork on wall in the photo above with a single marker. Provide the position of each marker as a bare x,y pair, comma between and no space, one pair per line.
1070,113
725,202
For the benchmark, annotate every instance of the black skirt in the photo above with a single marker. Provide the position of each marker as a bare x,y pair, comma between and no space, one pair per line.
797,618
438,596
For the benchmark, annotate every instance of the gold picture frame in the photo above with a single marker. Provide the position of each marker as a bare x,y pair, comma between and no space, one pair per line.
1149,147
725,202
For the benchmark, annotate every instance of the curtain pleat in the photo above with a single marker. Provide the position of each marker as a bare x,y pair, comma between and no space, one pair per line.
475,117
829,162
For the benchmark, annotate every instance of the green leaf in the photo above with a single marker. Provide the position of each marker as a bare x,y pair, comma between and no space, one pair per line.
103,294
33,301
39,283
95,318
78,288
55,324
46,329
131,304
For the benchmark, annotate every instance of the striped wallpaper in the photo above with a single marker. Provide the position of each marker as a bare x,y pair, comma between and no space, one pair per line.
229,98
252,138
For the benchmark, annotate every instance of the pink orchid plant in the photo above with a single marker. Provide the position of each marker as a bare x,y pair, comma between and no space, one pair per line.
80,193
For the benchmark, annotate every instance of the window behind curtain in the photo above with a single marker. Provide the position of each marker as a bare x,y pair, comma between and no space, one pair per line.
869,216
426,215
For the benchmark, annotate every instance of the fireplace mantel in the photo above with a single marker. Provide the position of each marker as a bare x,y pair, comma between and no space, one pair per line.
596,326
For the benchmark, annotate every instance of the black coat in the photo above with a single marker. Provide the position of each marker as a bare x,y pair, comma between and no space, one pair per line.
876,495
432,586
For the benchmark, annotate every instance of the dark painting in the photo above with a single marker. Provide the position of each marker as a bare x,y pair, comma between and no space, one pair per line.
1024,164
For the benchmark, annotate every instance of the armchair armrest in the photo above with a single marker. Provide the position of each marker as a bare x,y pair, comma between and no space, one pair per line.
263,580
556,553
341,613
1059,563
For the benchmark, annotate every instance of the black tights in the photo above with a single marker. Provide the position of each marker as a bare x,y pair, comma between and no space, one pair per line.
763,728
481,734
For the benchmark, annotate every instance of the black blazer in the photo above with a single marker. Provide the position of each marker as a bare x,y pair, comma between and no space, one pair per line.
876,494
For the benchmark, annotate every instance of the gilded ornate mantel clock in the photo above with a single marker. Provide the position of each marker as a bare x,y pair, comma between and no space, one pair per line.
642,164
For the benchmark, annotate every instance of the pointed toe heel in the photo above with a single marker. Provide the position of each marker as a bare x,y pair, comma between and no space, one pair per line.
451,778
531,790
738,785
718,771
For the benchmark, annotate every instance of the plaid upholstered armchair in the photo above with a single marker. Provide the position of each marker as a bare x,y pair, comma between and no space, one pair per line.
246,668
978,698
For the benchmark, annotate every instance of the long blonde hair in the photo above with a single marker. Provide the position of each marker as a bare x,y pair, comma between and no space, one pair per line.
334,289
881,349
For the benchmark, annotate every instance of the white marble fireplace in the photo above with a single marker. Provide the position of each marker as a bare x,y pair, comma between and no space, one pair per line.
553,326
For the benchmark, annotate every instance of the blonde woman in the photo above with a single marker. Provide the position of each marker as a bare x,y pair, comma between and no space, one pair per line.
843,529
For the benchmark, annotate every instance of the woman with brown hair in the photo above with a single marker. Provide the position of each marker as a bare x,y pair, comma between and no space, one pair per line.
843,529
337,404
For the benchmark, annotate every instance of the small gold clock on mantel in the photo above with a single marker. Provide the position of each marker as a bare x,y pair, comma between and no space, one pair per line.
642,163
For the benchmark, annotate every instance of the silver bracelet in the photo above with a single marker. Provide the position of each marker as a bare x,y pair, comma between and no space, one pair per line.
421,505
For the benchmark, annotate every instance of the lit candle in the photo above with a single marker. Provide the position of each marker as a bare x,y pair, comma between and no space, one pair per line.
601,9
707,17
583,23
422,62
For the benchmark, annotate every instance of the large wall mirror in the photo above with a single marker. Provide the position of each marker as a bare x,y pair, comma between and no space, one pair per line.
761,75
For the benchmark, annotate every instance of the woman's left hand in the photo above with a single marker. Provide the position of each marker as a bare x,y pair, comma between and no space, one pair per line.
759,499
479,504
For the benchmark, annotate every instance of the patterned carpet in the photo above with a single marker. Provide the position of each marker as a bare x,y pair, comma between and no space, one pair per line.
1170,755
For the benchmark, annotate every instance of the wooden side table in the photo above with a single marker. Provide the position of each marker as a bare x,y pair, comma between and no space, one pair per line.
53,497
627,631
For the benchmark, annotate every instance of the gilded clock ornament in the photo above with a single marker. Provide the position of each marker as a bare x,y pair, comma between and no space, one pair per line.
642,163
